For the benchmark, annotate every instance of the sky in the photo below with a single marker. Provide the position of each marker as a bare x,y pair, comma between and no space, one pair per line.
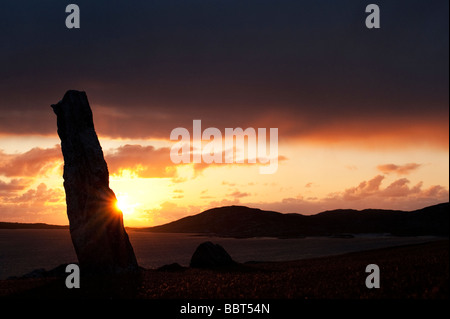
362,114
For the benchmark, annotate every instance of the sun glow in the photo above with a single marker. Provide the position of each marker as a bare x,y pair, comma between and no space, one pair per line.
123,204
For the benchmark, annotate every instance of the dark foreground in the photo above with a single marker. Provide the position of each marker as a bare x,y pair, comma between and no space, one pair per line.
416,271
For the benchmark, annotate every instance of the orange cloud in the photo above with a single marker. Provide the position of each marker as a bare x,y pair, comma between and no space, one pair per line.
36,161
397,190
360,127
400,188
364,189
238,194
368,194
399,169
145,161
39,195
436,191
35,205
150,162
359,130
15,185
200,167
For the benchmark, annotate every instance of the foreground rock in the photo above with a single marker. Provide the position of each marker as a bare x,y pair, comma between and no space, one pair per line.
209,255
96,226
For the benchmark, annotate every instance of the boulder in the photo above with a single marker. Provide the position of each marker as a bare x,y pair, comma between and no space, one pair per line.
174,267
209,255
96,225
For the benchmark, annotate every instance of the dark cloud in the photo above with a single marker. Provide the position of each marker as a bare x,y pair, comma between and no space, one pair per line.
309,68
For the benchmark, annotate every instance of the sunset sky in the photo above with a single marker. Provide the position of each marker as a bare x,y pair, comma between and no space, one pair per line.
362,114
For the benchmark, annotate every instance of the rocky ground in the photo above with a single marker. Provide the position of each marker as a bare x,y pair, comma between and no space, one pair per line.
416,271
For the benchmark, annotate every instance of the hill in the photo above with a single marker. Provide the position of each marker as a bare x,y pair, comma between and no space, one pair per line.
242,222
6,225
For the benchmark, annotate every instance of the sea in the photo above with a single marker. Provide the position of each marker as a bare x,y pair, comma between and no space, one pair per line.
25,250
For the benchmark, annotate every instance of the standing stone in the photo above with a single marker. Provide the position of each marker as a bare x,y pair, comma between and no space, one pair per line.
96,225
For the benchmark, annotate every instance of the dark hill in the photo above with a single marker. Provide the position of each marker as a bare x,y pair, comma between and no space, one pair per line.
241,221
7,225
235,221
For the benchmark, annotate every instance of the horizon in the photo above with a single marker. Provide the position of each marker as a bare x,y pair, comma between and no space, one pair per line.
252,208
362,115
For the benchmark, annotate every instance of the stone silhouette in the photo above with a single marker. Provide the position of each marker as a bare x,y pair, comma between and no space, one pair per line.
209,255
96,225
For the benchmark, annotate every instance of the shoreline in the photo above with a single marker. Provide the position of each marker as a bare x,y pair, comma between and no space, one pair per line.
46,249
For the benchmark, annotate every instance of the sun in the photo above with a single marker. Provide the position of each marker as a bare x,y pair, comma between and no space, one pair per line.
124,205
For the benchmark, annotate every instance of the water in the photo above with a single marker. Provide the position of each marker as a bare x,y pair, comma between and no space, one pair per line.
23,250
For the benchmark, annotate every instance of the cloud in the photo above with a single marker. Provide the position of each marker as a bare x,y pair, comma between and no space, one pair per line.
224,202
144,161
364,189
151,162
35,162
178,194
233,64
400,188
368,194
41,195
228,183
398,169
368,129
373,131
40,204
12,187
436,191
237,194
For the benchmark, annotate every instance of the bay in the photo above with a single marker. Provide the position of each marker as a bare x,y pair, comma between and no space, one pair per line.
24,250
